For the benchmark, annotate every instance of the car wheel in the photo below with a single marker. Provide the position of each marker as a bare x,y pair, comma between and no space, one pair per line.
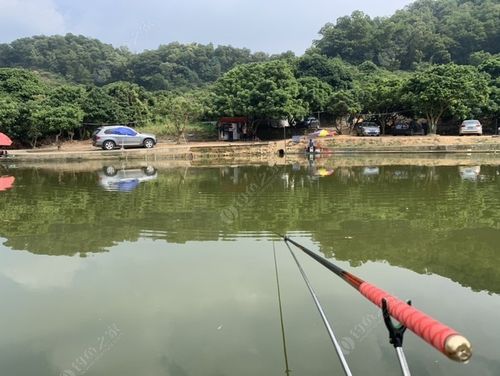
109,170
149,170
148,143
108,145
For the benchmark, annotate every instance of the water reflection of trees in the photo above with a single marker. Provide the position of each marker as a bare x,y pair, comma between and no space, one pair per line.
428,219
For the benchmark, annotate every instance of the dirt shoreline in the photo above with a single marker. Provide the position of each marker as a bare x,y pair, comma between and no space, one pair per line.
265,151
346,152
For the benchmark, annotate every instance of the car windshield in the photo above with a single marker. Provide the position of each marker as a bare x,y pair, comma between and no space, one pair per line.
471,122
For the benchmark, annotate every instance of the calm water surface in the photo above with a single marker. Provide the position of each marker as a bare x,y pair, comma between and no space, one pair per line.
127,271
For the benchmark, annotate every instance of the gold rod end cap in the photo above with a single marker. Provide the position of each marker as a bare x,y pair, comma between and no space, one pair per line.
458,348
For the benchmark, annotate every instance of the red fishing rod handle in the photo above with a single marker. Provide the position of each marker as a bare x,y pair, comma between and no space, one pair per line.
440,336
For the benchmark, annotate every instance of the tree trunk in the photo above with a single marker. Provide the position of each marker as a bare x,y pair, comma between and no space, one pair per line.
255,128
353,125
433,121
338,125
58,143
33,142
179,130
431,125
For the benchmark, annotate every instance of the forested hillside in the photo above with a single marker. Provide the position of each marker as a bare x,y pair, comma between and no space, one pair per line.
434,59
426,31
88,61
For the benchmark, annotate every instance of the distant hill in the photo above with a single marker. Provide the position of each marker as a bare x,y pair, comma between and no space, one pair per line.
76,58
88,61
430,31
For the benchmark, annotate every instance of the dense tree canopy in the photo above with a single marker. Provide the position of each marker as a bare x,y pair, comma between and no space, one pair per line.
314,93
425,31
260,90
460,90
77,58
89,61
334,72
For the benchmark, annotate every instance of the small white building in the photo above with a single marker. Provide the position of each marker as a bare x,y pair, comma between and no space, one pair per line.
233,129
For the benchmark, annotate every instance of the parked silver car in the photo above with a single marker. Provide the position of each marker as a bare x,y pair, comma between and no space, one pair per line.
470,127
368,128
110,137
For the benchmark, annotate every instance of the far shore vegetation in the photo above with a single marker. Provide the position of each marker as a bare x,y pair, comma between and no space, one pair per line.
433,60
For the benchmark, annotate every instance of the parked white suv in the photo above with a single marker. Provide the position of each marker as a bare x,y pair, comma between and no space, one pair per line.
470,127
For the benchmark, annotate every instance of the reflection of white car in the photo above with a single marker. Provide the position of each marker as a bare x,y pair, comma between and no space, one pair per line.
125,180
401,175
370,171
469,172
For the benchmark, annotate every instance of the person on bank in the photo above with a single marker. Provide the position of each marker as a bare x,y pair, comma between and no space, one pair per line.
311,148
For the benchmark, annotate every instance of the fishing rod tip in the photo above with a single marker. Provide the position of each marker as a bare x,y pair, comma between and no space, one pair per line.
458,348
280,235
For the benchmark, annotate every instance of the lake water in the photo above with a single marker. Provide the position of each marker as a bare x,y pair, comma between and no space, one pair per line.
120,271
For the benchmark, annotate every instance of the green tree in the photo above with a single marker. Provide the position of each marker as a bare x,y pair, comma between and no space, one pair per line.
9,115
181,111
133,102
380,93
99,107
20,83
66,94
18,90
459,90
260,91
334,72
314,93
491,65
48,120
351,38
343,105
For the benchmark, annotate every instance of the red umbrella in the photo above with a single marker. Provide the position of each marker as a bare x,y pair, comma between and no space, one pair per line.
6,182
5,140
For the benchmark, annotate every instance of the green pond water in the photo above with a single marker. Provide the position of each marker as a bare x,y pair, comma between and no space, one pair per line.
169,271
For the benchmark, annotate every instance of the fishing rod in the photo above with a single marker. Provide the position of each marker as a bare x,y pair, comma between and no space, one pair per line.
329,329
446,340
283,338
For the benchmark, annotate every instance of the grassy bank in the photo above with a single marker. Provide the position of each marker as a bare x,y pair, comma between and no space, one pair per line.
193,131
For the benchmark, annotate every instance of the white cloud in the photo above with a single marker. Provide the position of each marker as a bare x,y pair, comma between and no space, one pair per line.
29,17
40,272
261,25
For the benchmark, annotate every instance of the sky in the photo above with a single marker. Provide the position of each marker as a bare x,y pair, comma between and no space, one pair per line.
271,26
